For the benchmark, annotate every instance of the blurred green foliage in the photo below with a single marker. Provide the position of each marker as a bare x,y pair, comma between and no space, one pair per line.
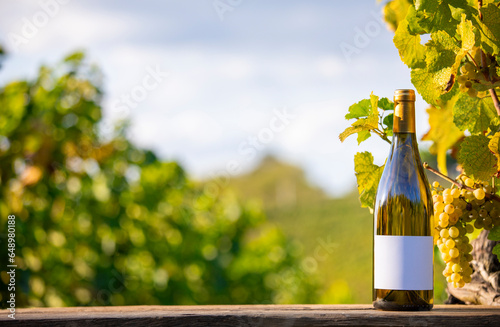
101,221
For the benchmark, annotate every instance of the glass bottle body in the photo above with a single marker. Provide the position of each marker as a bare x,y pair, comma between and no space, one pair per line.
403,245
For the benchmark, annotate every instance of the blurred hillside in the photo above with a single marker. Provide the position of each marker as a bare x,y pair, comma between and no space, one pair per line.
335,234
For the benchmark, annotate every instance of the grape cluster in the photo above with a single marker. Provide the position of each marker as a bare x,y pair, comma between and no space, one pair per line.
468,74
458,212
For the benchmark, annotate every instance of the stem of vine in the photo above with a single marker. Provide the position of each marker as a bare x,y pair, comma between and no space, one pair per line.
484,69
458,184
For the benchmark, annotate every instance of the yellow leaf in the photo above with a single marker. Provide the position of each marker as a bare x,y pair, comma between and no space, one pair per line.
494,146
443,132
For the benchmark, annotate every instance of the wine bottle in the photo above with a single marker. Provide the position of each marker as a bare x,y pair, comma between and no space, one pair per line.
403,243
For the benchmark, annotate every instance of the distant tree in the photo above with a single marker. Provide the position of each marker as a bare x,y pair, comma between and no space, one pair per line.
100,221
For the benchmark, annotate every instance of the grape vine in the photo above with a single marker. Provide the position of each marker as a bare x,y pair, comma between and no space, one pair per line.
457,72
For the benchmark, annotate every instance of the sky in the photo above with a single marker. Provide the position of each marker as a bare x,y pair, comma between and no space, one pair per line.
218,84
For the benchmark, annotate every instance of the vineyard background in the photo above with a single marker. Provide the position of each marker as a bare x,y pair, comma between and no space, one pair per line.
104,220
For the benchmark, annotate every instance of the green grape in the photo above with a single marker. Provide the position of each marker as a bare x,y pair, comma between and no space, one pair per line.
437,198
479,202
472,92
450,244
462,79
469,182
454,232
488,206
456,213
438,207
479,193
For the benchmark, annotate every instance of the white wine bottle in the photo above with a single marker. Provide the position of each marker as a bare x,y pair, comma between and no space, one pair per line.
403,243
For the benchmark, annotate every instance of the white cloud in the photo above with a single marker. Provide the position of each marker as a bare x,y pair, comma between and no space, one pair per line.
227,77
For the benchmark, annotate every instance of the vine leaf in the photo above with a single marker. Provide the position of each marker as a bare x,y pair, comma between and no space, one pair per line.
360,109
412,53
385,104
389,122
434,16
474,114
443,138
494,147
476,157
431,85
496,250
395,12
443,56
367,176
366,113
363,136
494,234
489,27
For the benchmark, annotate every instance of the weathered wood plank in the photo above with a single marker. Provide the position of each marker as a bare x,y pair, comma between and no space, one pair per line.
252,315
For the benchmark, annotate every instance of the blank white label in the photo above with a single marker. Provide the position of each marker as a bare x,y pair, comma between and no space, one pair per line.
403,262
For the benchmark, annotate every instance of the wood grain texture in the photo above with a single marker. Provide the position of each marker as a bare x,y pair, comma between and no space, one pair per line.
252,315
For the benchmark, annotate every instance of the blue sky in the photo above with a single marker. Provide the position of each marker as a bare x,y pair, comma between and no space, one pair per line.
224,68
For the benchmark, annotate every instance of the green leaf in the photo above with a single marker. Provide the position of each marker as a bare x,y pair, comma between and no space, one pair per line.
431,86
374,105
443,138
485,85
441,51
476,158
494,147
75,58
360,109
489,27
367,176
385,104
494,234
412,53
364,108
496,250
395,11
412,17
389,121
434,15
475,114
12,106
443,58
363,135
461,7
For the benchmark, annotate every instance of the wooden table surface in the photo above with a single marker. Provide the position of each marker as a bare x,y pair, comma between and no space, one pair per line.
252,315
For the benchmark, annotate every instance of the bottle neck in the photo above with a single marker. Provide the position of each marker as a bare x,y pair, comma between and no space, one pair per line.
404,117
